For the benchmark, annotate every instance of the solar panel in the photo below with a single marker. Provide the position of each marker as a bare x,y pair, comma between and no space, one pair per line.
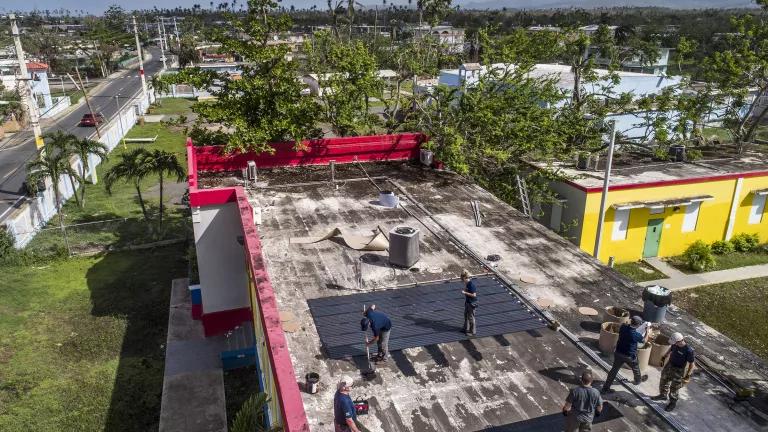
423,315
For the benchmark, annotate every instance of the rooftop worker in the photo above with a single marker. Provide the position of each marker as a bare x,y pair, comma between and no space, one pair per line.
380,326
344,414
582,405
678,364
626,351
470,303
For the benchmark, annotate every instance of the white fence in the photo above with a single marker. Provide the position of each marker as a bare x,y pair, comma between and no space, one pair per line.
24,222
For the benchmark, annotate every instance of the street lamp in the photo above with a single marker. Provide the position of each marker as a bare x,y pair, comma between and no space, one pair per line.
604,195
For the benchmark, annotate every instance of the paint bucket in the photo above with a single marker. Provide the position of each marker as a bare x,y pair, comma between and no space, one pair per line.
426,157
660,346
643,355
312,379
609,336
388,199
617,315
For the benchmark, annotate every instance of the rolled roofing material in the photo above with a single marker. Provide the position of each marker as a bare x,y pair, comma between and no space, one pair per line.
371,242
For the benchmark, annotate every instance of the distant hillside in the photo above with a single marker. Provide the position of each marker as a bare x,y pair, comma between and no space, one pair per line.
592,4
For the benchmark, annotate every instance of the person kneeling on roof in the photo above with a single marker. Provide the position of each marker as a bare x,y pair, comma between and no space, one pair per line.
380,326
344,414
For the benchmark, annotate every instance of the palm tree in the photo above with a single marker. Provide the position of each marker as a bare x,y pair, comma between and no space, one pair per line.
251,416
131,168
60,142
84,148
53,163
161,162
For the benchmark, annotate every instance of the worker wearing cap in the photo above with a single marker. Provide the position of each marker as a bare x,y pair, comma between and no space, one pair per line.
678,365
582,405
380,325
344,414
470,303
626,351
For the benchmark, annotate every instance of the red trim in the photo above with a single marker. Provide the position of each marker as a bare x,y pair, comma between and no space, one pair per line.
315,152
291,404
197,311
676,182
216,323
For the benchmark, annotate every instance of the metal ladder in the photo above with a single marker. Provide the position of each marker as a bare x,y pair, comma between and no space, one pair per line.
522,190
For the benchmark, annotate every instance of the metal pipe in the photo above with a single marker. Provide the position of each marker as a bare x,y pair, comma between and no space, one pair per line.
604,196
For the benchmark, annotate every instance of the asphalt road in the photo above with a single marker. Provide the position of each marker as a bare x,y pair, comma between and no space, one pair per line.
20,148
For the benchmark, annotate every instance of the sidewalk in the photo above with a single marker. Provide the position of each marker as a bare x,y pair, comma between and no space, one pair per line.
678,280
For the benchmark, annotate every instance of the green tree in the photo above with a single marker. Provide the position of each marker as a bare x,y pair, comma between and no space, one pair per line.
131,168
265,104
186,51
347,73
252,415
162,163
84,148
62,142
53,163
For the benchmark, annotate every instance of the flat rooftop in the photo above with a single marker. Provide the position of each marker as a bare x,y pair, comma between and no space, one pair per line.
633,170
518,380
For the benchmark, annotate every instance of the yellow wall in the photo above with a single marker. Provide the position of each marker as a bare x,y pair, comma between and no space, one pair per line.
711,225
745,203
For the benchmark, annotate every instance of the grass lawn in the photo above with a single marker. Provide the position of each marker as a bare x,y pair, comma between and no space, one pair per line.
170,106
737,309
122,203
721,133
727,261
639,271
82,341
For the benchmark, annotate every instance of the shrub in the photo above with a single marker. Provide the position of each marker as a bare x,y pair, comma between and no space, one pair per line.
722,247
699,256
745,242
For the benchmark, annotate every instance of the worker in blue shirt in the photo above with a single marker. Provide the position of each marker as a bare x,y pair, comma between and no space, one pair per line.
678,365
470,303
380,326
626,351
344,414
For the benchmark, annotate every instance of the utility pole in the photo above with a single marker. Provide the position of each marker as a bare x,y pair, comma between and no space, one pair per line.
160,42
141,61
26,89
604,195
88,102
176,31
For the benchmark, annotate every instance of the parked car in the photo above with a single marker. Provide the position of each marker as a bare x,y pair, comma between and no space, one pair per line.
91,119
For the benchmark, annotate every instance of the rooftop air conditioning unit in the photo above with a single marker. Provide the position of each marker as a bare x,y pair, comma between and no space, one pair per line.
403,246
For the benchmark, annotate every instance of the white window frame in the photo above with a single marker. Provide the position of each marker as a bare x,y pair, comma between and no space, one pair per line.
757,209
691,217
620,224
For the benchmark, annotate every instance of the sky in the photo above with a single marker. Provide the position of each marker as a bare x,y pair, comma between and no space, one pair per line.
100,5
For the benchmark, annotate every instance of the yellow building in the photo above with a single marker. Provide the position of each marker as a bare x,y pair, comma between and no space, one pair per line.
659,208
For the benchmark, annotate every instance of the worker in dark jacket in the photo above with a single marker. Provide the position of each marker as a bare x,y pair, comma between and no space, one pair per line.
344,414
380,326
630,335
678,365
582,405
470,303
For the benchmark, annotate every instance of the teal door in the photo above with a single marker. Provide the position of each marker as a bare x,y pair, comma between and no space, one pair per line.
653,238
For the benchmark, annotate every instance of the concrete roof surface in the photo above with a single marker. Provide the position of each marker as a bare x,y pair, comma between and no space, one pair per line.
516,380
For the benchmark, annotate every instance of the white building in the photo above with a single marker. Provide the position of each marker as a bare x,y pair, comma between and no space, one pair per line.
38,79
450,37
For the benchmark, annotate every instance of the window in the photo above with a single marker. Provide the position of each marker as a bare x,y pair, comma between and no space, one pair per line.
691,216
756,212
620,224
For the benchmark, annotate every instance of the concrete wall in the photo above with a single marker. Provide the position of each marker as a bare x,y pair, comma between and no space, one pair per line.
24,222
60,103
220,258
573,210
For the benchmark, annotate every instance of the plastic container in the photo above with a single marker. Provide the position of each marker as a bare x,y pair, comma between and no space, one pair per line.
659,347
609,335
656,300
388,199
312,379
616,314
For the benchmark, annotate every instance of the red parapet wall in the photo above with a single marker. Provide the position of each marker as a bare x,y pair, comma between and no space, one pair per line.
216,323
317,152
